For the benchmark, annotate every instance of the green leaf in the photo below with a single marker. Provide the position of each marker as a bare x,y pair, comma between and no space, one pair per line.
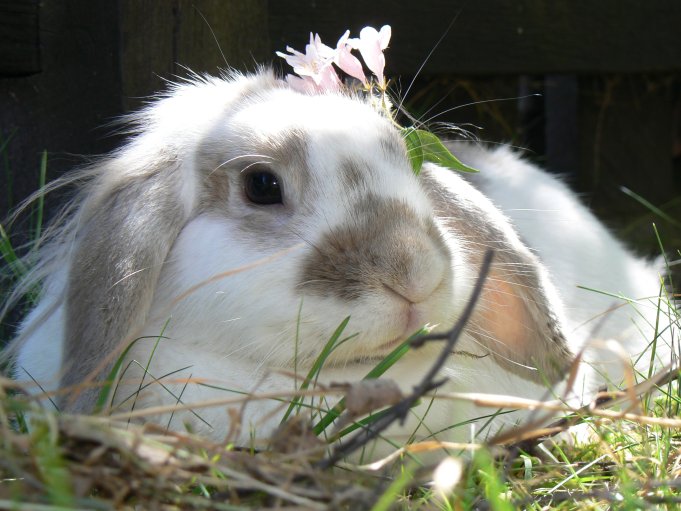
423,146
414,148
435,151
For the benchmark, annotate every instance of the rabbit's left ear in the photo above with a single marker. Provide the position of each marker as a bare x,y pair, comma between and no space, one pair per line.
518,320
133,211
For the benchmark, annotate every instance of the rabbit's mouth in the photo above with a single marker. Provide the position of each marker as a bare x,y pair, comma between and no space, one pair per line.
392,344
415,321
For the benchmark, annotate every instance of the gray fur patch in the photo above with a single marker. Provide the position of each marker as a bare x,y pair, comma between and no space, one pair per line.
224,163
352,174
393,146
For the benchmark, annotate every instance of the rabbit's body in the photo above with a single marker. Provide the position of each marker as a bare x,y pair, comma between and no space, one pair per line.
180,238
578,250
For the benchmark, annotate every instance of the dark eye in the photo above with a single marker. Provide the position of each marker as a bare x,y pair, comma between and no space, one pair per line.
263,187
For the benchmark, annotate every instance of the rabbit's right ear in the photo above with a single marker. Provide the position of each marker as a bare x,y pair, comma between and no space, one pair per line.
134,210
130,214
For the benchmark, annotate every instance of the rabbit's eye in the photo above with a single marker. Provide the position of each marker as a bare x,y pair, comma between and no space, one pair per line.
262,187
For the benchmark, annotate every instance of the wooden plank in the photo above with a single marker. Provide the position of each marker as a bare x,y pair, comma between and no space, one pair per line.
64,108
161,40
220,34
561,103
100,59
147,50
499,36
19,39
471,108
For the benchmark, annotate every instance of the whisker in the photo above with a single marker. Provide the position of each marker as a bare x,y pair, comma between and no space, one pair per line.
475,103
227,162
430,54
217,43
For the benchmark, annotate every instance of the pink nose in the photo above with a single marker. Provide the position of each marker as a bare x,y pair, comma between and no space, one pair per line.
424,268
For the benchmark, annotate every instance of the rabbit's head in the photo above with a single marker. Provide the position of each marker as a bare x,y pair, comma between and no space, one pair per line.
251,219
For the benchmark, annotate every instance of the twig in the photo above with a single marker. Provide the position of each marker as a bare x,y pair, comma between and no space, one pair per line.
532,434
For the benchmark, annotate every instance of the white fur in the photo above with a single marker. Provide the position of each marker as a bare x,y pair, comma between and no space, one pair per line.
227,303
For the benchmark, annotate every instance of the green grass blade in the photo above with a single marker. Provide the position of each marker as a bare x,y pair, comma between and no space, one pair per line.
5,143
151,357
103,397
650,206
40,207
7,251
9,177
390,496
179,401
42,389
316,367
366,421
664,255
492,482
392,357
297,344
52,466
376,372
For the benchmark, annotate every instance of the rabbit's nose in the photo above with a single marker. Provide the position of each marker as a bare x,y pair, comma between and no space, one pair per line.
418,269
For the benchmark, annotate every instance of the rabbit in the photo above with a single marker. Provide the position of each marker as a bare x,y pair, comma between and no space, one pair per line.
227,239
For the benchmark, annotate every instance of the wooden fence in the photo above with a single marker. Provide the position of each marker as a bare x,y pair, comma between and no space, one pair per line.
594,87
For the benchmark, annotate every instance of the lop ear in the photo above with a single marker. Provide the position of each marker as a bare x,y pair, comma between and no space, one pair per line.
518,320
134,210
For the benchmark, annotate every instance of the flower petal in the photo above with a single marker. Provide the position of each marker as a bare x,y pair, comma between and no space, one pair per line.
384,36
371,44
327,79
347,61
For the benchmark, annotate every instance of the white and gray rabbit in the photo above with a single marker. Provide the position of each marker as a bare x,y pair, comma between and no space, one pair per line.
243,220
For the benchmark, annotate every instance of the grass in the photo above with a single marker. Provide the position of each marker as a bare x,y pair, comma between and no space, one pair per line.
16,268
88,462
93,462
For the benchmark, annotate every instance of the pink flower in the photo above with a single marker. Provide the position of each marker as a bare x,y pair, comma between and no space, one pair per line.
347,61
314,71
314,67
371,44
